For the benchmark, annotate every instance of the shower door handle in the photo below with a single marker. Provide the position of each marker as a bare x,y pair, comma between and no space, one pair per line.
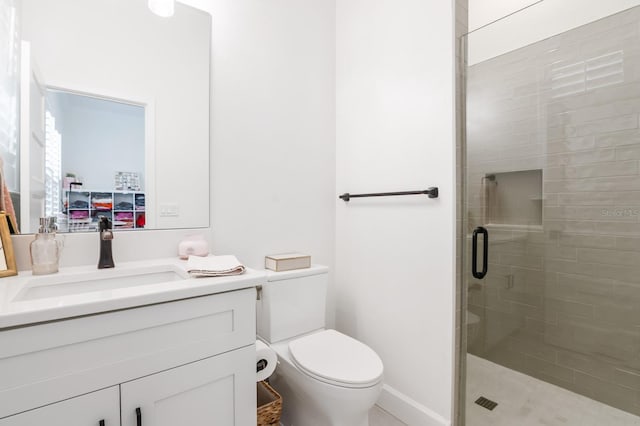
474,253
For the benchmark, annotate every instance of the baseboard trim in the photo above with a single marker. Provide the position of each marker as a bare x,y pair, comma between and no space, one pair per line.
407,410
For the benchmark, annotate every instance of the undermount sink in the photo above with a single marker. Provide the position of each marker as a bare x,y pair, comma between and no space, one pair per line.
43,287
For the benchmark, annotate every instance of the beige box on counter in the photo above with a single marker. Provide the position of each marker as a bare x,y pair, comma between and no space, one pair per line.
287,261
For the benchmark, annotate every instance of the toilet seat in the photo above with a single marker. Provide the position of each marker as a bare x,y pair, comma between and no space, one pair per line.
337,359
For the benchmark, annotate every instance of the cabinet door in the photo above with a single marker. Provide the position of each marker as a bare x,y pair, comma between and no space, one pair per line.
219,391
85,410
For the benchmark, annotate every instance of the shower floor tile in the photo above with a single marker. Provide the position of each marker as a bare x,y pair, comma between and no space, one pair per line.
526,401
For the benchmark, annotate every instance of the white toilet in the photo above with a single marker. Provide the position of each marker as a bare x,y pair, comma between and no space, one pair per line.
325,377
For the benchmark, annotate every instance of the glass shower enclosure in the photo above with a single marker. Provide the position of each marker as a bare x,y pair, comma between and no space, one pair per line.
551,220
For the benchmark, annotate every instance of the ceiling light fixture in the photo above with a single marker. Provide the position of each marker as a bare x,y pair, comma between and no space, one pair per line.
164,8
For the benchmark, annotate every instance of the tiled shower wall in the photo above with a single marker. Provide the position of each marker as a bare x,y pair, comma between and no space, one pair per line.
561,301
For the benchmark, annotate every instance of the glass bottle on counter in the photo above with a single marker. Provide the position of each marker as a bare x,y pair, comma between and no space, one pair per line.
45,250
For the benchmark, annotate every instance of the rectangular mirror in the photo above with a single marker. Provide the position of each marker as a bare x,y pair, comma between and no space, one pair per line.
113,112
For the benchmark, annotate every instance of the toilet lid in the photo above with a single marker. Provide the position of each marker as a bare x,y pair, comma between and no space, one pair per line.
332,357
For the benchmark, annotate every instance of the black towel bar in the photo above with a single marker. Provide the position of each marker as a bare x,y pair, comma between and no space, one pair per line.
431,192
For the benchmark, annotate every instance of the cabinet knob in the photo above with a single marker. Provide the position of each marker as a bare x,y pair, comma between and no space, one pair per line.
138,417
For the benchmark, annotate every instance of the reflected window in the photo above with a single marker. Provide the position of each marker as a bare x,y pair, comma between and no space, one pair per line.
52,167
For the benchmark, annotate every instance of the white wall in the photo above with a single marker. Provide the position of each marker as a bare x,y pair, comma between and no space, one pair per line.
273,149
100,138
395,256
483,12
542,20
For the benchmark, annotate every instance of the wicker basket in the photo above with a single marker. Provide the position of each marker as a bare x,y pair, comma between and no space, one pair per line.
269,405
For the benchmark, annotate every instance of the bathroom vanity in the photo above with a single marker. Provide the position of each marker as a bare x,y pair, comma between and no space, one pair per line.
141,344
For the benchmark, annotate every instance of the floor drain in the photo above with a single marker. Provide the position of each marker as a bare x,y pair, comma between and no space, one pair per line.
486,403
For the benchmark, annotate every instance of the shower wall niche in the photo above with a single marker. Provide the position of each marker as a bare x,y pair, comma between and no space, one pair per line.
514,198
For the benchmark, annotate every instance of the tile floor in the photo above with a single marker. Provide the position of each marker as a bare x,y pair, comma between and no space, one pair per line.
379,417
526,401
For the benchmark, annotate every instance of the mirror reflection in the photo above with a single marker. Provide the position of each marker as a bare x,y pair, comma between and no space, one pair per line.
81,184
112,103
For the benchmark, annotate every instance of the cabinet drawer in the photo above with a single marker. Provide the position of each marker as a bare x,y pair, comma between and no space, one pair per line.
83,410
46,363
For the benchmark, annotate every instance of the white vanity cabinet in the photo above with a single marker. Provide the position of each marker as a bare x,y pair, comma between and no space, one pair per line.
185,362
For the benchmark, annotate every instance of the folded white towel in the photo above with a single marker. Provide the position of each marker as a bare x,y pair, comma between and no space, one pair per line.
214,266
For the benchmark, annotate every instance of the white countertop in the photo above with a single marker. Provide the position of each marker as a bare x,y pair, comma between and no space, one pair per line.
87,301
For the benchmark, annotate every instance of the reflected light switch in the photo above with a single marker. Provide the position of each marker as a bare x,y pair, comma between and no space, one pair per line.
169,210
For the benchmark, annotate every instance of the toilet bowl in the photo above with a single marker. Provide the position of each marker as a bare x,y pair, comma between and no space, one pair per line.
325,378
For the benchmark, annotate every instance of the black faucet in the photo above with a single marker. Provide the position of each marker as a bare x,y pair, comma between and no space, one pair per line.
106,235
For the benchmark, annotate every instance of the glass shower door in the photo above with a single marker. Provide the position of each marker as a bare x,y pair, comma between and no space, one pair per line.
553,187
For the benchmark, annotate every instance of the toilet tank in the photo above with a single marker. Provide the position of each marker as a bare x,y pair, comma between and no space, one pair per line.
292,303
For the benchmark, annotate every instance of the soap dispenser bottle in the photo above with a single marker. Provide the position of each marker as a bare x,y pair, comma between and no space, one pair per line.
46,248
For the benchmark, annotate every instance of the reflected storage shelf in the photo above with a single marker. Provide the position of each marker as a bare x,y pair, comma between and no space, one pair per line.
126,209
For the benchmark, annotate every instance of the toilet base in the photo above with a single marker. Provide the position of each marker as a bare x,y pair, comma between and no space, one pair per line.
310,402
299,410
